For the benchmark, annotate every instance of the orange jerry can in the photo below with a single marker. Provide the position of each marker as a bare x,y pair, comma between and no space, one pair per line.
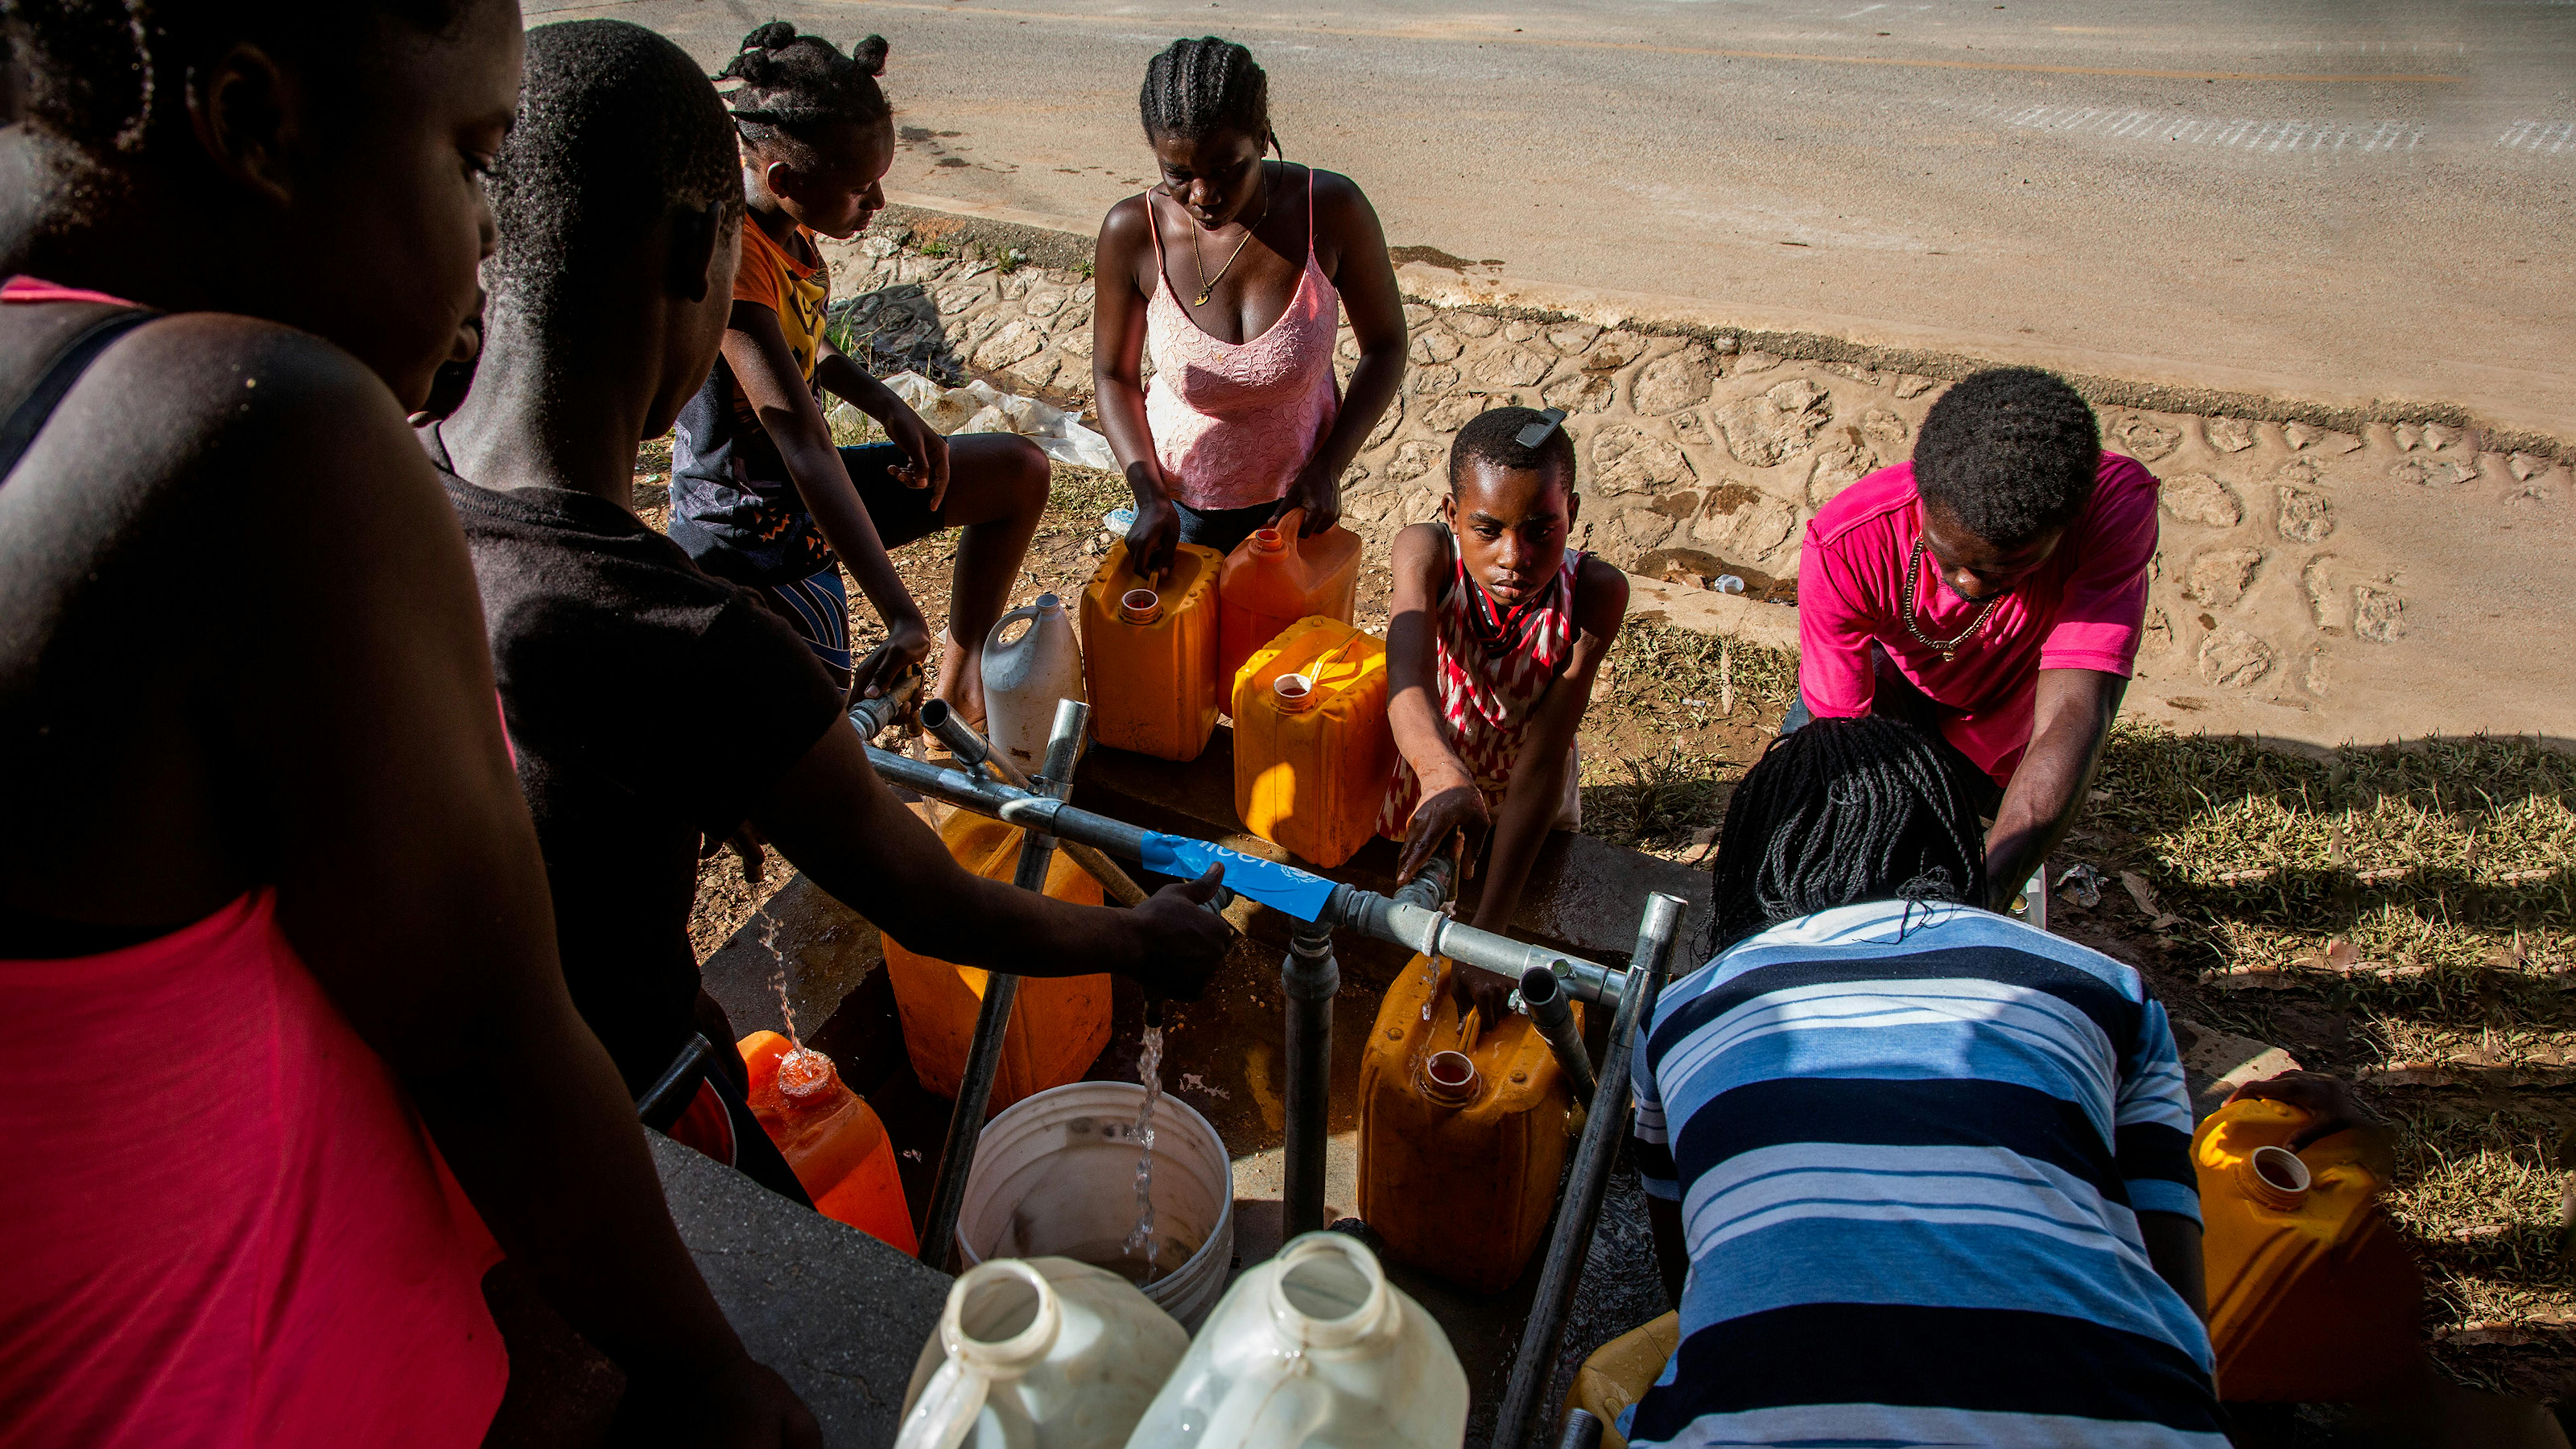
1058,1024
1461,1141
1274,578
1149,654
2312,1297
1312,749
829,1136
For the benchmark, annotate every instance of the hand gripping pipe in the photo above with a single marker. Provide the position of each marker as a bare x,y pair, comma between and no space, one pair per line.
984,1057
1580,1210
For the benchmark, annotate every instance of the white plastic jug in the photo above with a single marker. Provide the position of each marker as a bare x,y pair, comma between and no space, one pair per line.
1316,1348
1025,677
1039,1353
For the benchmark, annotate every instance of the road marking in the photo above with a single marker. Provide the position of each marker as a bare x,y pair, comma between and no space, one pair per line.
2547,137
2237,132
1470,33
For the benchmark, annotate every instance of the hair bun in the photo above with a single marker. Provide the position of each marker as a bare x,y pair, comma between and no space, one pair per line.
870,55
776,35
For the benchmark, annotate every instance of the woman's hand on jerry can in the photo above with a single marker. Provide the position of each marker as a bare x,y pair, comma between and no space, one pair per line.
1317,490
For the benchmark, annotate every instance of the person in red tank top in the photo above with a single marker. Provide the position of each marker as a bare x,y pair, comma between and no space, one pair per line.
275,948
1496,633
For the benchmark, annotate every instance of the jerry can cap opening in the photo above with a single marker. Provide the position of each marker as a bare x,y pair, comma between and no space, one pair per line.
1449,1077
1293,691
1140,606
804,1074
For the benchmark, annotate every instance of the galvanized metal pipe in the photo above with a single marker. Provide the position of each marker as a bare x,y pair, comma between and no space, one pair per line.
1582,1431
1543,996
1411,918
993,1018
1579,1212
973,750
1309,977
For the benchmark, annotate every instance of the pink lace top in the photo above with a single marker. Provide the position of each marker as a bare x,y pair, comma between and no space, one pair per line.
1233,423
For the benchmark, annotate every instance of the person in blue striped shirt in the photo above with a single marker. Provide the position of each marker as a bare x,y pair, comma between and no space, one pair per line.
1918,1173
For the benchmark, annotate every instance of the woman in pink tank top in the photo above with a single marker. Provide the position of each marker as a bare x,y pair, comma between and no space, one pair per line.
275,944
1232,274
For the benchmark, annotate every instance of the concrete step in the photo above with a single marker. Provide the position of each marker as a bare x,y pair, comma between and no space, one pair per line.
841,1316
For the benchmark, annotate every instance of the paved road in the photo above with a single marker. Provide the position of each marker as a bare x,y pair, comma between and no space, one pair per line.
2352,198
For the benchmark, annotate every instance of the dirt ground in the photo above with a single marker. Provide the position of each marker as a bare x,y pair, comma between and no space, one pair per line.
2399,915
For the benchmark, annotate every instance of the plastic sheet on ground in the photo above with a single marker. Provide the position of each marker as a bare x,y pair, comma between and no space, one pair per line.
980,407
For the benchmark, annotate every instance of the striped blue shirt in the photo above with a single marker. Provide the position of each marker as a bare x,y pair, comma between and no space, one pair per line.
1910,1144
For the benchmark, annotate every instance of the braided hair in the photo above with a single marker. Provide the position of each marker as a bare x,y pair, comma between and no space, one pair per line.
104,74
1197,88
796,88
1838,812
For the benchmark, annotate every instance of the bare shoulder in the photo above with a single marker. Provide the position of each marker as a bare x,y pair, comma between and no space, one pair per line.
298,439
1339,200
1420,550
1600,597
1128,227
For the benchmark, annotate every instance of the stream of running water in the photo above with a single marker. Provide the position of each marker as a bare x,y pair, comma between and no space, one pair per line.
1149,1069
769,943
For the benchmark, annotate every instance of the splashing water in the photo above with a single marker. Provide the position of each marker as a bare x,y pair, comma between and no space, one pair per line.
1149,1067
769,943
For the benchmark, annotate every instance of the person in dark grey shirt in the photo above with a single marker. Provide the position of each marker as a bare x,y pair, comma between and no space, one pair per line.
649,704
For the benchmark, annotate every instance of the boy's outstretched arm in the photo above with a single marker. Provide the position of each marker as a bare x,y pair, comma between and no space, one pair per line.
1537,789
757,352
408,876
837,822
1448,802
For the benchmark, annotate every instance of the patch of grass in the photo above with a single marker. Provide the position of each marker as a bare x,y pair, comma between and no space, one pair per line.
1660,802
1679,676
1080,495
2461,1178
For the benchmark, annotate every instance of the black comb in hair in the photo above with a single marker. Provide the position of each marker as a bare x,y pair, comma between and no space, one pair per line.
1537,433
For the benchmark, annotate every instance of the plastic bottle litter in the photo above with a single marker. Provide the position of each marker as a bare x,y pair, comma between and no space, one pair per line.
1313,1348
1039,1353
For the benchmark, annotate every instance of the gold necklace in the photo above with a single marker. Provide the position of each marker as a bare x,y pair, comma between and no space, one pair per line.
1949,648
1207,284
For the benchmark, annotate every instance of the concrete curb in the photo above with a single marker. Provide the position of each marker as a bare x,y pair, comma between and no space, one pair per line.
2105,379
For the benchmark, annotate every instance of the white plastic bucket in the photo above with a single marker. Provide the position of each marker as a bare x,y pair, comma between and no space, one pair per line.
1056,1175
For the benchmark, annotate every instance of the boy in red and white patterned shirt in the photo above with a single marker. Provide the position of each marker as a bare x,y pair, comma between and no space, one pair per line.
1498,630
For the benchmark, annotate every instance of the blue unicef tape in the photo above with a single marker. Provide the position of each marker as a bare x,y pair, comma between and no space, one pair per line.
1281,887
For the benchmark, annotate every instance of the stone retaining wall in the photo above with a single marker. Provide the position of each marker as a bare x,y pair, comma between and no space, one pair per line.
2284,571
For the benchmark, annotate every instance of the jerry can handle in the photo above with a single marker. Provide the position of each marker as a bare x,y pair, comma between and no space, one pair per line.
1030,612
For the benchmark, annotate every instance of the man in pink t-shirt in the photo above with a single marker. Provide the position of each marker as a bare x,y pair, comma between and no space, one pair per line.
1993,590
